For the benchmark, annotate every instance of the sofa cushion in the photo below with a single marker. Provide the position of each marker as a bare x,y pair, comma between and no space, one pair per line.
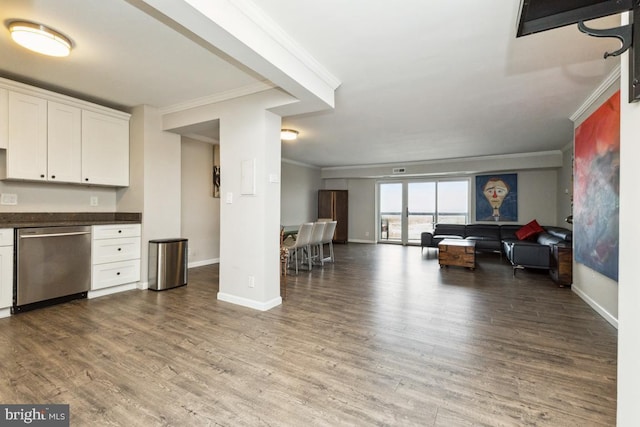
508,231
548,239
449,230
560,232
440,237
529,230
483,231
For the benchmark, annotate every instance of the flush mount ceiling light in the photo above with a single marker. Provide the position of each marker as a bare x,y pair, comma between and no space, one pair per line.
38,38
288,134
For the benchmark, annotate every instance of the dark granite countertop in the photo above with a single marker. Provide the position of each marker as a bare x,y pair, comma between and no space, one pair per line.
52,219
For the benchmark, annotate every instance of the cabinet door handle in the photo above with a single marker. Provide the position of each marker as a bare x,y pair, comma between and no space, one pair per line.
53,177
119,249
41,175
86,179
118,273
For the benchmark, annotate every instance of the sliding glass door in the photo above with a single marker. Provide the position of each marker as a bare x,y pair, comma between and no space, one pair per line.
391,203
421,209
407,208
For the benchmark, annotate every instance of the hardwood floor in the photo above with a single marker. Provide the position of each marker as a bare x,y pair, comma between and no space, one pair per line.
382,337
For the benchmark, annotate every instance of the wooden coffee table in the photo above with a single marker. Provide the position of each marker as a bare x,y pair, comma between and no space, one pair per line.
458,252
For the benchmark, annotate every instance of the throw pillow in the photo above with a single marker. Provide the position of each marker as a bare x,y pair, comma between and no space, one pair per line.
529,230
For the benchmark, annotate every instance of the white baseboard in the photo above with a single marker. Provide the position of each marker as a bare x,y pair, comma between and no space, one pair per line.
245,302
361,241
5,312
204,262
112,290
597,307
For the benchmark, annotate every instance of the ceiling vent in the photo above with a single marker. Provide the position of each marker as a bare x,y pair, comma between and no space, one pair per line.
399,170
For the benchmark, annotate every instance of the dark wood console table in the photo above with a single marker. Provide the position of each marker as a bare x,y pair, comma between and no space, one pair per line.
561,270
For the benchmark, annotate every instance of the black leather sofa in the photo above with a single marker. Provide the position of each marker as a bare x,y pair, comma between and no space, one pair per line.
488,237
536,253
528,253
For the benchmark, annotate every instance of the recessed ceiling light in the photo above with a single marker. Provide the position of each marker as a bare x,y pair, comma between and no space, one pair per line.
38,38
288,134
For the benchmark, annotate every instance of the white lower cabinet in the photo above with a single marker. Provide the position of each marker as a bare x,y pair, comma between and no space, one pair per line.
115,255
6,271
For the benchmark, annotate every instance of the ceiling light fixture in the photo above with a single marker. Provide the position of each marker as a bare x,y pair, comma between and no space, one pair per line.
288,134
38,38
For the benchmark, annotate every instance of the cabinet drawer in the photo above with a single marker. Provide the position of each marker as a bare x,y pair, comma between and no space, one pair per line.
115,273
112,250
114,231
6,236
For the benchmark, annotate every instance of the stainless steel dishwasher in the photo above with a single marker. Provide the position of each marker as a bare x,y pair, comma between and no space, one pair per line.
53,264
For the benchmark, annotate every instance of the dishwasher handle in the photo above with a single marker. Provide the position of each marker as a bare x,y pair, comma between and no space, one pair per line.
33,236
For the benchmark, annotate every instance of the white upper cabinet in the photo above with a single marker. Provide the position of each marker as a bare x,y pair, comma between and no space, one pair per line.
105,149
55,138
4,117
27,144
64,143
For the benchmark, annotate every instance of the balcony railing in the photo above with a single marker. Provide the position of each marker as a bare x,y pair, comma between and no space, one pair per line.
391,223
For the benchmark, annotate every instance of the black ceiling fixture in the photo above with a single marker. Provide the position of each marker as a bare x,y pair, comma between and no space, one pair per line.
543,15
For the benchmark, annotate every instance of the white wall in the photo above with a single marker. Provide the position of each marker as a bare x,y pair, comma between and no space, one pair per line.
362,192
629,288
157,188
200,210
299,193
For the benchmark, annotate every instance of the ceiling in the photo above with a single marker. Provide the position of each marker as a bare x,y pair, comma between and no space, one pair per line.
418,81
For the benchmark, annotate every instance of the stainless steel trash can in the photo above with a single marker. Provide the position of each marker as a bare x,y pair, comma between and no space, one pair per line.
167,263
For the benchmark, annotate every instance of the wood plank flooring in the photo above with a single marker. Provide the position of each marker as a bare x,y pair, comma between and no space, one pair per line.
382,337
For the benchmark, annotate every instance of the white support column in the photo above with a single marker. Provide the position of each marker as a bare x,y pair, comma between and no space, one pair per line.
249,223
628,286
250,208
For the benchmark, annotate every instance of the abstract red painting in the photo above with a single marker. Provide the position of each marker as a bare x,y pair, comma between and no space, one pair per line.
596,189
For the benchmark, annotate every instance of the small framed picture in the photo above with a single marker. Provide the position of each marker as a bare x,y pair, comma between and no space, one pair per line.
216,181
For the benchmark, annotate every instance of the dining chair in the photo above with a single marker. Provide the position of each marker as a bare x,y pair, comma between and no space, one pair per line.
327,239
300,244
313,248
284,257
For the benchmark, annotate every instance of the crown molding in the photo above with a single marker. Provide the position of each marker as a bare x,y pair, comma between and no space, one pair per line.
260,86
613,76
495,157
201,138
297,163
